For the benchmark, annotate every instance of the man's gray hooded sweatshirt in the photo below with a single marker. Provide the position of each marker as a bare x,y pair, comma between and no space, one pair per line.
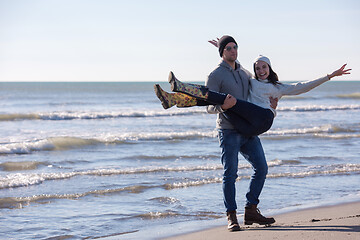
225,79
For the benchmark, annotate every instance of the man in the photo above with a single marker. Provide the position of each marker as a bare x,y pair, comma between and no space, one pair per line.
230,78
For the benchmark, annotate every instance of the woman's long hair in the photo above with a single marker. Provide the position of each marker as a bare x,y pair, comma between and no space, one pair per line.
272,78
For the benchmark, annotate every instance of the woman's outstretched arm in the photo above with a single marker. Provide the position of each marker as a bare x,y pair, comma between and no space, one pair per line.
303,87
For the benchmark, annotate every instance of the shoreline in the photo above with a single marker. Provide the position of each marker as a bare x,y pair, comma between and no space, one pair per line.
341,221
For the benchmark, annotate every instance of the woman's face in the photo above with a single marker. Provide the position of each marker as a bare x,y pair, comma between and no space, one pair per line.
262,70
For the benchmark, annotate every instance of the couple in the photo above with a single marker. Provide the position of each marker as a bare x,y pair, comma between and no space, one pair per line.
245,108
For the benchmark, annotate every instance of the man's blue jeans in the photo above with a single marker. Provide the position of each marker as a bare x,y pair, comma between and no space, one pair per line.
231,143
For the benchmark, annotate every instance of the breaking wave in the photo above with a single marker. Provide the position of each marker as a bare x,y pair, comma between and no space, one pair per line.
328,131
328,128
26,179
19,202
60,116
319,108
65,143
333,170
20,166
355,95
325,131
68,115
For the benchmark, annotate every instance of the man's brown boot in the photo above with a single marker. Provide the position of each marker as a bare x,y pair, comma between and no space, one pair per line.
233,224
253,215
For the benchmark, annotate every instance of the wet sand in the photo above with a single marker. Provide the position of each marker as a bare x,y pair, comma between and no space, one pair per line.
331,222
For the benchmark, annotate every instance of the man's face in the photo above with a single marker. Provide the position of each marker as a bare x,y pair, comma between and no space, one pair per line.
230,52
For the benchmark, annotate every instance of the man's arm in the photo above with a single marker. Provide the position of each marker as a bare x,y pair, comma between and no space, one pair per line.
213,83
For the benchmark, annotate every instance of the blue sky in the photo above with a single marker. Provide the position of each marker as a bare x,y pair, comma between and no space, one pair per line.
109,40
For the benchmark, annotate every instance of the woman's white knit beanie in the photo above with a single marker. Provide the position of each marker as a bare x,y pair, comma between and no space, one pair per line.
263,58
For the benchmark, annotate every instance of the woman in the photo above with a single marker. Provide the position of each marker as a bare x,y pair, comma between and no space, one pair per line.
249,118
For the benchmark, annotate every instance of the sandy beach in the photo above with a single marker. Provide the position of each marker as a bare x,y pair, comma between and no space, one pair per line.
332,222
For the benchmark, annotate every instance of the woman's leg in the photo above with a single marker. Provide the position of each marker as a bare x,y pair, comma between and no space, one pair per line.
169,100
260,124
180,100
248,119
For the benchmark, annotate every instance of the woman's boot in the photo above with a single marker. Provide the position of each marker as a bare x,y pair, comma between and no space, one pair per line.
193,90
197,91
171,99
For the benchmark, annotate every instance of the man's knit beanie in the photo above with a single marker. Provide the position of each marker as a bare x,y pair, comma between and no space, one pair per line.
223,41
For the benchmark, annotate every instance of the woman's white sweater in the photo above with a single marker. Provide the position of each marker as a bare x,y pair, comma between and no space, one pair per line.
262,90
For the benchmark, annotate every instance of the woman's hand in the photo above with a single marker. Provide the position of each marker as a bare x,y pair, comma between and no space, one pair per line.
341,71
273,102
214,42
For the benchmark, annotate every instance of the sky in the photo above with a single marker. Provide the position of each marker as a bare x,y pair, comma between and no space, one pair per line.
142,40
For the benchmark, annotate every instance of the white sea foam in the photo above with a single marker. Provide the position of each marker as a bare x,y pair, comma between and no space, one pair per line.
26,179
26,147
70,115
319,108
68,142
19,202
166,200
329,170
327,128
167,214
57,143
73,115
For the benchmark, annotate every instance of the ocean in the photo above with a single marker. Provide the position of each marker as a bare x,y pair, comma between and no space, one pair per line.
105,160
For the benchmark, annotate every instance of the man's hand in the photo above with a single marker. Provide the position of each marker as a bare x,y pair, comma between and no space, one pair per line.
273,102
214,42
229,102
